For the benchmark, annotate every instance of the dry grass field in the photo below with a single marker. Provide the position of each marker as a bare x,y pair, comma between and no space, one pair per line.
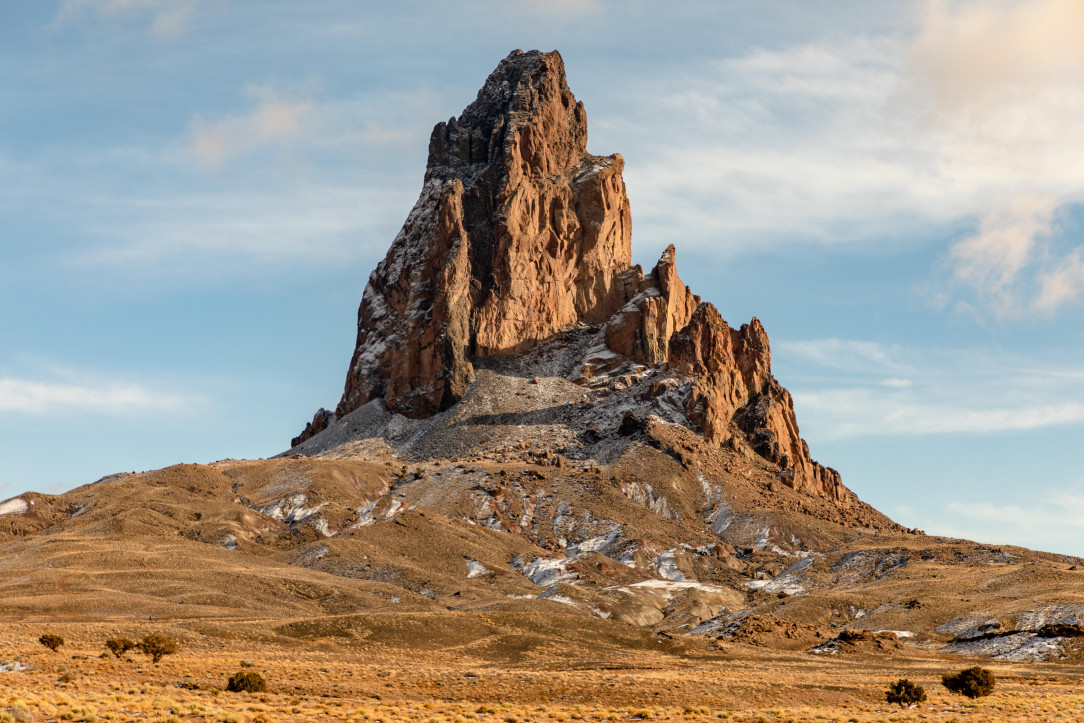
491,576
327,680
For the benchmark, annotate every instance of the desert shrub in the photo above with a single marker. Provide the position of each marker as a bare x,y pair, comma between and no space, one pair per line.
904,693
157,647
972,682
51,641
247,681
120,646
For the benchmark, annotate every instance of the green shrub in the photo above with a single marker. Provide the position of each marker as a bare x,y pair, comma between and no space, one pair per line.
157,647
972,682
51,641
904,693
247,681
120,646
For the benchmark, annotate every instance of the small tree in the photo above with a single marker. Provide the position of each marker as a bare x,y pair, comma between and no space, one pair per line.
904,693
157,647
120,646
247,681
972,682
51,641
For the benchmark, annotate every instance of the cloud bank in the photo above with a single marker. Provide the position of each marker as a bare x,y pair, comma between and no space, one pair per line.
27,396
966,120
866,389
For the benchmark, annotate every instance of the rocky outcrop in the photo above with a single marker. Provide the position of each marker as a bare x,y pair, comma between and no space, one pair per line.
320,421
518,234
735,398
641,330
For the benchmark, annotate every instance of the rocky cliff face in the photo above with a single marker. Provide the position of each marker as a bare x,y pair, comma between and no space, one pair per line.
519,234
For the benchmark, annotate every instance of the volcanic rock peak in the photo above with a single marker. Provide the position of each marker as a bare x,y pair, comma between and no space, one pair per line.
520,234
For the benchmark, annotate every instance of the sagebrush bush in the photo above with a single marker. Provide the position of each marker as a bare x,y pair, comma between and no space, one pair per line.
247,681
157,647
51,641
971,682
120,646
904,693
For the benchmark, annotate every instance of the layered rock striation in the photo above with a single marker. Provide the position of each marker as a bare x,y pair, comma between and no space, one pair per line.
518,234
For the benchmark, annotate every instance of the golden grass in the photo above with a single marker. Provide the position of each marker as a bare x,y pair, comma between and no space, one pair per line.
742,685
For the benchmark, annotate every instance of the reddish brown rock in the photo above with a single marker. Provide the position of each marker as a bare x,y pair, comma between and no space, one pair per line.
320,421
641,330
518,232
734,397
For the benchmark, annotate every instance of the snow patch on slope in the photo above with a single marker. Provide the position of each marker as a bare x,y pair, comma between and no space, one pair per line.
15,506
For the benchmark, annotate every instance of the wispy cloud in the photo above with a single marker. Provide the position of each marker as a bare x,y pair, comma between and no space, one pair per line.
1007,243
848,355
850,389
843,413
273,120
966,118
103,397
165,18
1044,519
289,180
213,234
999,88
1062,282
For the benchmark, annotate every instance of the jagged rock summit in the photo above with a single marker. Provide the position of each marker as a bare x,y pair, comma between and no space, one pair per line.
519,235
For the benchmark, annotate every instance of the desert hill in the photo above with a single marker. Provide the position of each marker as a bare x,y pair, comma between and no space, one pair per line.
539,447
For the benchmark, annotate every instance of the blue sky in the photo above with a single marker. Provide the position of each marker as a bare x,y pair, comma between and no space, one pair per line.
193,193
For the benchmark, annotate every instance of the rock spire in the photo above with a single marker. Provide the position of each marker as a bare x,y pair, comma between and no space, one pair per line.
520,233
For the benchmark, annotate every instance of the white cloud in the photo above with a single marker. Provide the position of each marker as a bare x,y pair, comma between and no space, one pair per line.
209,234
1006,244
847,389
166,17
1002,89
969,119
288,181
1061,282
844,413
846,355
273,120
102,398
1043,519
780,146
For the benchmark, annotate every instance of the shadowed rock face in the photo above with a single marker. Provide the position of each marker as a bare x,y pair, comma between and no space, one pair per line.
518,234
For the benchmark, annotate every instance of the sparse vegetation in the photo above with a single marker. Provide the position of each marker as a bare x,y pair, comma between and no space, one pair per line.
157,647
120,646
247,681
973,682
904,693
51,641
